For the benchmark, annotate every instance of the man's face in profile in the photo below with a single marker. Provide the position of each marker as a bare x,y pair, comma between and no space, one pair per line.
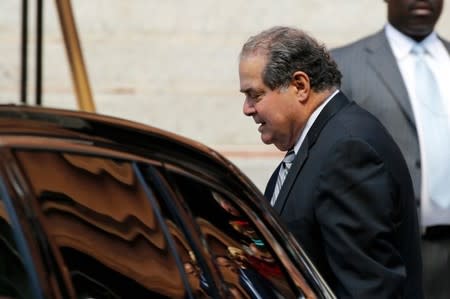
274,111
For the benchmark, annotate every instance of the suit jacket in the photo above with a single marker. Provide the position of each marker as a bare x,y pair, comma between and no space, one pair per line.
371,78
348,199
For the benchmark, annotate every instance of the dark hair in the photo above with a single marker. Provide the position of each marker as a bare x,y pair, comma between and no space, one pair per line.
289,50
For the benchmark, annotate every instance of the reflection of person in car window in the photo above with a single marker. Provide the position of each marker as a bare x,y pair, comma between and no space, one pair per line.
245,228
226,205
252,263
229,271
254,285
195,280
261,253
260,257
257,259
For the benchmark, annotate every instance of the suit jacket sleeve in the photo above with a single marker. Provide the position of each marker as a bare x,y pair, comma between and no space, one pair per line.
355,210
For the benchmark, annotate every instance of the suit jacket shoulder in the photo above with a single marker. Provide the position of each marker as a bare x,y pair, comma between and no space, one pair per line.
373,39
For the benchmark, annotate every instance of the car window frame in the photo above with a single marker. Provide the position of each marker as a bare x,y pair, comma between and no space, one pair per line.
9,190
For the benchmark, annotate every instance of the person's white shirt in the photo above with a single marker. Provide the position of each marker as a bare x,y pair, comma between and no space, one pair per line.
312,118
439,63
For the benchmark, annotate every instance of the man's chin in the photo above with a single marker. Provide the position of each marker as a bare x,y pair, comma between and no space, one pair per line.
266,139
418,31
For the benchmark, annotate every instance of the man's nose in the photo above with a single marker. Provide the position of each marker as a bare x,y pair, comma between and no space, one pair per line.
248,109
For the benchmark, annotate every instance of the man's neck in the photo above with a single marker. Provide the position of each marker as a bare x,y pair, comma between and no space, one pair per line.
416,37
320,97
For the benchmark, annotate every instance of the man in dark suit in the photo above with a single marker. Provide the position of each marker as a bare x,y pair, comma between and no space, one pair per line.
347,195
380,73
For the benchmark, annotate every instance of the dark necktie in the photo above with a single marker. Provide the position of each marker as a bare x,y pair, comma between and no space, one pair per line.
283,171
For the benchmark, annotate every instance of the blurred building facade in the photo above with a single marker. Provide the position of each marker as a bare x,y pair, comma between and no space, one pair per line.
173,64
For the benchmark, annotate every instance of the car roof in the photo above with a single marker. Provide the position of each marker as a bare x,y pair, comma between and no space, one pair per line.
86,123
101,129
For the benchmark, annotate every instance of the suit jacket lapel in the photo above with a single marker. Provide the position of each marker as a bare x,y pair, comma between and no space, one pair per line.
271,184
300,159
336,104
382,60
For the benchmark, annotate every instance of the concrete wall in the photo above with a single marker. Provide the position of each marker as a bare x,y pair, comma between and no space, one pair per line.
173,63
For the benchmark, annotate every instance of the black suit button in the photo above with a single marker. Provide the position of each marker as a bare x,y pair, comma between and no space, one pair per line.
418,164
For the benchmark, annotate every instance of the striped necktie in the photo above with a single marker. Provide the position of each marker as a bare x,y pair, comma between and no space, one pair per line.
282,173
434,121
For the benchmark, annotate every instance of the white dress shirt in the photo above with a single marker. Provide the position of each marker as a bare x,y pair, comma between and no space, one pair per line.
311,121
439,63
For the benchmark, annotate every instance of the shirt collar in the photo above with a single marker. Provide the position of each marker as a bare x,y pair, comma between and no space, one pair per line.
402,44
311,121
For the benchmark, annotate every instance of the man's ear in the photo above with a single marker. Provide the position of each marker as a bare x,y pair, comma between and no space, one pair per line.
301,83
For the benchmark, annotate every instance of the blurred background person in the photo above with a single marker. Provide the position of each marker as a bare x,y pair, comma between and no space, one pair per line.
400,74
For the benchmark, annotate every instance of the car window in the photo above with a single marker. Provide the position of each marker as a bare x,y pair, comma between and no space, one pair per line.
245,261
15,272
194,264
100,224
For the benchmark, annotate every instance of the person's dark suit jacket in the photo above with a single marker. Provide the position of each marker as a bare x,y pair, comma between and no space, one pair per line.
372,79
348,199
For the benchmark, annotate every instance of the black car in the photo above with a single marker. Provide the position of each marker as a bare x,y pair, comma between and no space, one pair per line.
98,207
